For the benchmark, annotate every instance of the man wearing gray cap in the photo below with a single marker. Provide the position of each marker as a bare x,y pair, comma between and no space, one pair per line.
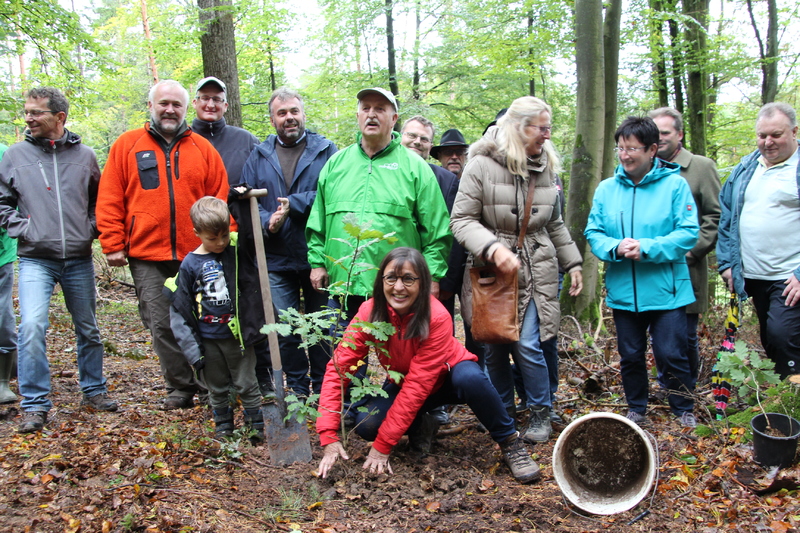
383,184
233,144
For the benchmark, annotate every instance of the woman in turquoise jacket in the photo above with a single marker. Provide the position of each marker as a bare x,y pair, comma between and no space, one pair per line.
642,223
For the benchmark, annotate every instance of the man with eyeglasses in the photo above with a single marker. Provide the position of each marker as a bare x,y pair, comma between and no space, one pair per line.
701,175
48,190
451,151
152,178
385,185
233,144
287,164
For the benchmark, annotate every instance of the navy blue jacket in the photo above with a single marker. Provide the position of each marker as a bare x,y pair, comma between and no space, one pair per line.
287,250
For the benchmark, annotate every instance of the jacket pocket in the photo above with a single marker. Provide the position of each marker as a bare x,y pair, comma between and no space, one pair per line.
147,164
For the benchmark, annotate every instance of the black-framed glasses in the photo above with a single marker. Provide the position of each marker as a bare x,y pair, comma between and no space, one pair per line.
216,99
414,137
408,280
36,113
630,151
450,152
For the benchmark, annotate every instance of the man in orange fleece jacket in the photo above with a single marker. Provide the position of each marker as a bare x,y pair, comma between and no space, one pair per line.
152,178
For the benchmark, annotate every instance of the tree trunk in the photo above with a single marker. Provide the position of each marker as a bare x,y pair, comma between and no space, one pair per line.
657,53
696,117
218,45
677,64
390,49
150,53
588,151
531,70
611,37
415,75
768,56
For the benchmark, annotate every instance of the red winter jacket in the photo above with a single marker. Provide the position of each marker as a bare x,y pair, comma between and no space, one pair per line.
424,363
147,189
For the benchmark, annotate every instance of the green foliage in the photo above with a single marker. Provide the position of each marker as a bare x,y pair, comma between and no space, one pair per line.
300,409
746,370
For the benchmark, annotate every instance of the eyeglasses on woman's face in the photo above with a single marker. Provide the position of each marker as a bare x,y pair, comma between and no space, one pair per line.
408,280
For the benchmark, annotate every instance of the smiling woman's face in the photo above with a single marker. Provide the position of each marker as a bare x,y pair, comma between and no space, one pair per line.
535,136
399,296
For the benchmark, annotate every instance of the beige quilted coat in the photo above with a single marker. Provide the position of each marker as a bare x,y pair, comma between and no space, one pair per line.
489,208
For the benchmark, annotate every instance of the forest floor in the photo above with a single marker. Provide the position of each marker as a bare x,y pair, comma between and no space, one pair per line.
146,470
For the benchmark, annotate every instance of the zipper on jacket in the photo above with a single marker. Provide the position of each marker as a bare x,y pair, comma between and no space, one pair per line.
44,175
60,208
633,263
173,230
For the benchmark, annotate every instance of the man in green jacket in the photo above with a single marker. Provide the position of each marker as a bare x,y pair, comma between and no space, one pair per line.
382,183
701,175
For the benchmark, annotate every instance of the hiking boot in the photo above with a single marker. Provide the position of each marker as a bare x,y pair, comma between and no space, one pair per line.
223,422
255,419
421,439
688,420
32,421
539,428
555,418
99,402
637,418
177,402
440,414
516,455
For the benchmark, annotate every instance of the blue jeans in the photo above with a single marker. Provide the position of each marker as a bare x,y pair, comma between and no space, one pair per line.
465,383
528,357
37,277
668,330
8,324
286,288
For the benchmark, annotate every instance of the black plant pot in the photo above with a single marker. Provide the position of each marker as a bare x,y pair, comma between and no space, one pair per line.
770,450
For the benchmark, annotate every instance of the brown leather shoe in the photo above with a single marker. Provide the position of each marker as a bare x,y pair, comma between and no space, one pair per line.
32,421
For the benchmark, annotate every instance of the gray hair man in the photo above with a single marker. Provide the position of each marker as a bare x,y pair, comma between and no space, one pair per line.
288,164
701,174
757,248
48,190
152,178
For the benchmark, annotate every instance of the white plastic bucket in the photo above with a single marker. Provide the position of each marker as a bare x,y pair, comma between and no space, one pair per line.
604,464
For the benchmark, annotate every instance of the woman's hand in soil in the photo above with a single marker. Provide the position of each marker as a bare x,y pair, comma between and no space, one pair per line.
333,451
377,462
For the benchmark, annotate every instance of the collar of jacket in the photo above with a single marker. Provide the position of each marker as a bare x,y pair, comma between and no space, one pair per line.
393,144
48,145
183,131
208,128
660,169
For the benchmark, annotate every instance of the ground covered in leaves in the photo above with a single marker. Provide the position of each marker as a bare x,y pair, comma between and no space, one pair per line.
142,469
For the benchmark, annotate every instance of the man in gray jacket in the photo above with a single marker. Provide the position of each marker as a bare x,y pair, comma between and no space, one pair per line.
48,190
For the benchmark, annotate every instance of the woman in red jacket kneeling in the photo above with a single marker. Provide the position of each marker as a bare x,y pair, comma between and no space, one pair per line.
437,371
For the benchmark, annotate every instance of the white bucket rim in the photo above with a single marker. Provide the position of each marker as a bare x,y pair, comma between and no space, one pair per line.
604,507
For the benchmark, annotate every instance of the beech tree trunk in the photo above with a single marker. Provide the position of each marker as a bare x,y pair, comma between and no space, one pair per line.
696,116
218,46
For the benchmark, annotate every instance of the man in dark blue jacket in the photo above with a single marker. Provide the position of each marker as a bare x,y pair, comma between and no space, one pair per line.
288,166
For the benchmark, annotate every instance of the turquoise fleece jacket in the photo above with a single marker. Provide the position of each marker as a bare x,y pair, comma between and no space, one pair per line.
661,214
395,191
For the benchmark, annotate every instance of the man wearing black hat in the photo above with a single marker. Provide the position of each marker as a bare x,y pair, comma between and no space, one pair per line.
452,152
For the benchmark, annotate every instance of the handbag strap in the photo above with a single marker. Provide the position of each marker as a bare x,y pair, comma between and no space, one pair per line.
527,216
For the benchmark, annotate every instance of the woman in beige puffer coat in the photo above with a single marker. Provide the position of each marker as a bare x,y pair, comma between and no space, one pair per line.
486,218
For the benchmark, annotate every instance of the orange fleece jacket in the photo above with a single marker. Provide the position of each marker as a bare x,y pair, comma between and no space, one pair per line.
145,194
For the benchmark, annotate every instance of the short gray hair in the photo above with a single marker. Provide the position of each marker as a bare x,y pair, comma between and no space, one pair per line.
283,94
56,100
769,110
168,83
422,120
668,112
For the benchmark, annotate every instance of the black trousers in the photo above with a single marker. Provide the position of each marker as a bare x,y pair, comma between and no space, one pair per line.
779,324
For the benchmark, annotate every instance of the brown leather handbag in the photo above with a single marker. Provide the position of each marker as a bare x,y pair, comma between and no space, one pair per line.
495,319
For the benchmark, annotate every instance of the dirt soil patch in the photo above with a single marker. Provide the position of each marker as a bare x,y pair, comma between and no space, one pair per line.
146,470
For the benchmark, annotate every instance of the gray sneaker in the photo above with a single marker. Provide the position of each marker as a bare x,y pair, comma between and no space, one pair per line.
637,418
539,428
516,455
688,420
32,421
99,402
